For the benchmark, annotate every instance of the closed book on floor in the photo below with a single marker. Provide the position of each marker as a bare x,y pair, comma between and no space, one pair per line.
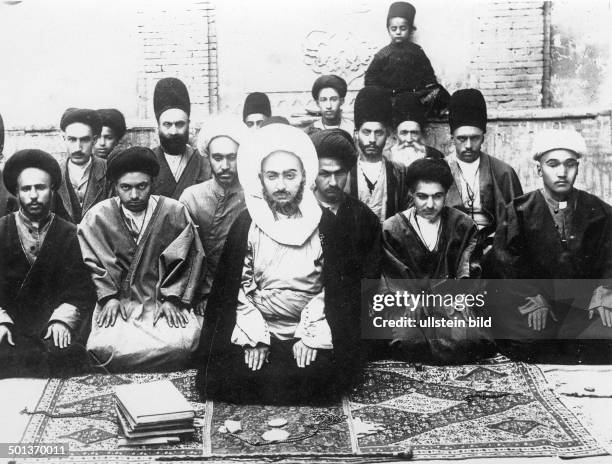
128,432
148,403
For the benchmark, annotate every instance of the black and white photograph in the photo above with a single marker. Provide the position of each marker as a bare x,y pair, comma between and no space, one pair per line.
335,231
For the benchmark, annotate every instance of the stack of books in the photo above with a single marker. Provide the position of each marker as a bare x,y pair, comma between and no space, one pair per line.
152,413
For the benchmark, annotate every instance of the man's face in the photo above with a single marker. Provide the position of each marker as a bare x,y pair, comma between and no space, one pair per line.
79,142
222,155
331,180
429,199
398,29
329,102
372,137
134,190
173,131
106,142
409,132
34,193
255,120
468,141
282,178
558,169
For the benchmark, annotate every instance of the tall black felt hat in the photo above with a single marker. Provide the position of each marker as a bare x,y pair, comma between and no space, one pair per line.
133,159
329,80
30,158
114,119
256,102
336,144
408,107
467,107
84,116
373,103
170,92
402,10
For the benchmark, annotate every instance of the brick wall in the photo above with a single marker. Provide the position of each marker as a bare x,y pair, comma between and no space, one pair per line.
508,53
179,41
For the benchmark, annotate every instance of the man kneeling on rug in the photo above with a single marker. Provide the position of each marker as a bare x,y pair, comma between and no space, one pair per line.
45,290
145,258
276,330
426,248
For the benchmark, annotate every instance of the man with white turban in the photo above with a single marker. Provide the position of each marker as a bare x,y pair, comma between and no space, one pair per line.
561,236
275,325
215,204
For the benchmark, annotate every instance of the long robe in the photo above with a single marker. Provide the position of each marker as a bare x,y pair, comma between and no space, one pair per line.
213,210
32,296
409,265
97,190
197,169
164,264
398,196
499,185
527,247
341,284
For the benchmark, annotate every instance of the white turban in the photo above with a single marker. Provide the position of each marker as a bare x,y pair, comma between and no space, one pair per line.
253,150
556,139
220,126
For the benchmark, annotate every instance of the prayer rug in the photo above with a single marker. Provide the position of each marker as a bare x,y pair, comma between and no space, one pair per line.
89,422
499,409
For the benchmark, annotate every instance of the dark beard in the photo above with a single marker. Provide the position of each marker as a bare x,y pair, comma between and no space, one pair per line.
290,208
174,144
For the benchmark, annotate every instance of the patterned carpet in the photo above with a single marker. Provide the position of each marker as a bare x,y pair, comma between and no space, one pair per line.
501,409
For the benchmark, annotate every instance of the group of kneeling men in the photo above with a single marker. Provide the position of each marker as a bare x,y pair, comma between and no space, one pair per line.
254,276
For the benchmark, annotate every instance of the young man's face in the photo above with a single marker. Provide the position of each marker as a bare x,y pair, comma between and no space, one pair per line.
398,29
282,178
173,131
34,193
134,190
371,138
329,102
222,152
468,142
106,142
429,199
558,169
331,180
255,120
80,141
409,132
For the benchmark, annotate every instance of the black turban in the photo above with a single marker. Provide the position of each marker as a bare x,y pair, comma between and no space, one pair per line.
133,159
373,103
429,170
408,107
329,80
402,10
30,158
170,92
467,107
84,116
336,144
256,102
114,119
